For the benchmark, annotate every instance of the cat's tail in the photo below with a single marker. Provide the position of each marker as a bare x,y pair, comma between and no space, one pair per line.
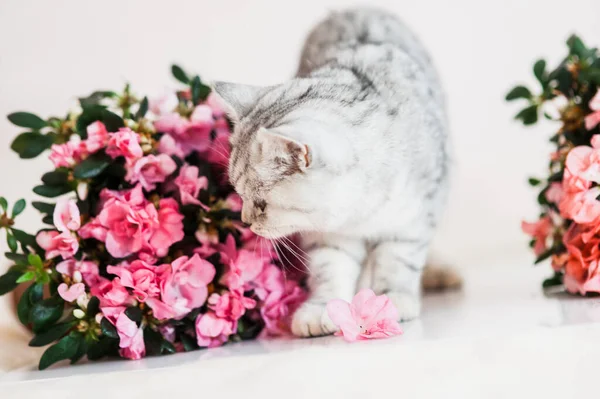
438,277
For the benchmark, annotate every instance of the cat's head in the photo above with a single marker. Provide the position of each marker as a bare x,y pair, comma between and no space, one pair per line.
278,164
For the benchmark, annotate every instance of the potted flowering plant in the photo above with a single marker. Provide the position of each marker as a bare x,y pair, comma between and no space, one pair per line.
144,252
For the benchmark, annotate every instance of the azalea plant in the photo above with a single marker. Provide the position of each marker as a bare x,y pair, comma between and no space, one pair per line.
144,252
568,228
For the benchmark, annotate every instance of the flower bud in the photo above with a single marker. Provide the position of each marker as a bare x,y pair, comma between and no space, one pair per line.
82,191
78,313
82,301
77,277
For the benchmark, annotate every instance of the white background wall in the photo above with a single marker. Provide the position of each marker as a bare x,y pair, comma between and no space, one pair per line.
52,51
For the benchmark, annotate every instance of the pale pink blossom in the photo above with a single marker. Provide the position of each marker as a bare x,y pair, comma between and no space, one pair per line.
66,215
244,265
125,143
234,202
212,331
128,227
169,228
164,104
150,170
71,293
112,294
57,244
230,305
88,269
97,137
139,276
66,155
189,184
184,284
131,338
191,134
555,193
593,119
278,308
168,145
93,229
368,316
539,231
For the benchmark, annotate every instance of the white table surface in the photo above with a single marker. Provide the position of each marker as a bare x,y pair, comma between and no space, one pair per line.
500,337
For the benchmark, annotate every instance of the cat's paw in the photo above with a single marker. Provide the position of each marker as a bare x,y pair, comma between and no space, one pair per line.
408,305
312,320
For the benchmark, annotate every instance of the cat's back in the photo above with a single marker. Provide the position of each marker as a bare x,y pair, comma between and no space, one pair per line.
378,44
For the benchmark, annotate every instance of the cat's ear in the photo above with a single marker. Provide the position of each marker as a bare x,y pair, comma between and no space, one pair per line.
285,152
238,99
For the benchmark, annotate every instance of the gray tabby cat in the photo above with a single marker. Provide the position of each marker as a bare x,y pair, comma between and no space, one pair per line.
353,153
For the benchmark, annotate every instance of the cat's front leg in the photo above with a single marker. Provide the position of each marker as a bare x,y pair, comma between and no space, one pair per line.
335,264
397,267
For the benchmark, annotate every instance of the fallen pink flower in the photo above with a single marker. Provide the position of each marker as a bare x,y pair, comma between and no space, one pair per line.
368,316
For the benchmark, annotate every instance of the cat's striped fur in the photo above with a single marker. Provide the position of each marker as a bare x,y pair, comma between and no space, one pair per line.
353,152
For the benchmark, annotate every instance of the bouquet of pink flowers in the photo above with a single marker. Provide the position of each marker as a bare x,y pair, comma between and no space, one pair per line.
568,229
145,253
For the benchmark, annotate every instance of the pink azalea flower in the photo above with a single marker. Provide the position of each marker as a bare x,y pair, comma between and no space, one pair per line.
168,145
539,230
131,338
66,215
215,104
234,202
171,123
593,119
231,305
57,244
169,229
184,284
139,276
128,227
218,152
93,229
66,155
164,104
244,265
582,269
192,134
71,293
212,331
368,316
97,137
111,294
189,185
584,161
150,170
278,308
89,270
125,143
555,193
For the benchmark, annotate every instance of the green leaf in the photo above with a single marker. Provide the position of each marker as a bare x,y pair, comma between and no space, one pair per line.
26,119
8,281
44,207
52,334
35,261
18,208
32,295
27,276
141,112
3,204
108,329
518,92
95,98
19,259
95,113
578,48
135,314
533,181
56,178
45,313
103,347
92,166
93,306
153,342
199,91
179,74
13,245
189,343
31,144
62,350
539,70
590,75
528,115
52,191
82,349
